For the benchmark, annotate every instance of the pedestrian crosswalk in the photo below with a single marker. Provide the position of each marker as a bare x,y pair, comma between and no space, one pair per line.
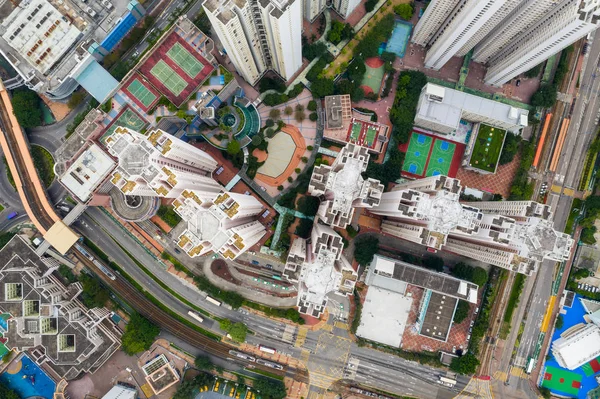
514,371
304,355
301,337
343,326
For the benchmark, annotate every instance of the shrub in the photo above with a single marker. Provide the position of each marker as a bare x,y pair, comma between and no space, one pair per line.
462,311
267,83
257,140
280,188
312,105
309,147
299,116
299,107
304,159
370,5
288,110
275,113
168,215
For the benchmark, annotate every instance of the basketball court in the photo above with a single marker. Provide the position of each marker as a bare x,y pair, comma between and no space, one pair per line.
127,118
417,154
428,155
373,76
184,60
563,381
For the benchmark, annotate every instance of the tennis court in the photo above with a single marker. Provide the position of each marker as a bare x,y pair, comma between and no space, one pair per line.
441,158
562,381
417,154
371,136
186,61
356,129
168,77
141,93
399,40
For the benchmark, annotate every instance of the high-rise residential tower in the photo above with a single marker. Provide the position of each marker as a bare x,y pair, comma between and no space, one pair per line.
158,164
345,7
515,235
313,8
259,35
563,25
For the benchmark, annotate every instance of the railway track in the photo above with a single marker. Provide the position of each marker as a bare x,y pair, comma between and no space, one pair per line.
497,318
149,310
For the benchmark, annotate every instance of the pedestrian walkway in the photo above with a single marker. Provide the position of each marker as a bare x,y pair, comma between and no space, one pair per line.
476,388
301,338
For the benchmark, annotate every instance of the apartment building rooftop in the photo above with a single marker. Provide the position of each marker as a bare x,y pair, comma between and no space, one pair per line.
441,109
47,319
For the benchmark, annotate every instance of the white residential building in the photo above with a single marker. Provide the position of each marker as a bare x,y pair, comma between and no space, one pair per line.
224,223
515,236
342,187
313,8
435,14
462,25
522,17
319,268
566,23
345,7
441,109
259,35
577,346
159,164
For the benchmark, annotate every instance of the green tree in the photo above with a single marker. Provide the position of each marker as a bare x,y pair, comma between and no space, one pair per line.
479,276
308,205
560,322
26,107
139,334
545,96
386,56
76,99
225,324
404,11
238,332
587,235
304,228
356,70
322,87
512,143
466,364
545,392
370,5
203,362
462,311
274,113
434,262
233,147
187,390
288,110
94,294
365,249
269,388
534,72
312,105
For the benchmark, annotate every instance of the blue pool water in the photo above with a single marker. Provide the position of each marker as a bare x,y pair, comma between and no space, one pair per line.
399,39
22,382
3,324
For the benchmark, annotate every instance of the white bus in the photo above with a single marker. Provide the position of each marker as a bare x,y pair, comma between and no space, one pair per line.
267,349
213,301
530,365
448,382
196,316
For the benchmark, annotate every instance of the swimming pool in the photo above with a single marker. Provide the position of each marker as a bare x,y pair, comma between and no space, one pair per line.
399,39
27,379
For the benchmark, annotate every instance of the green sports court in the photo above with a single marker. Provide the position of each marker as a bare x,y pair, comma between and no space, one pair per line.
373,77
127,118
168,77
370,136
440,159
487,148
141,93
185,60
355,132
417,154
563,381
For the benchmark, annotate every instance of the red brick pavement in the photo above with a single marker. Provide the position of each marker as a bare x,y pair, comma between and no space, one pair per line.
498,183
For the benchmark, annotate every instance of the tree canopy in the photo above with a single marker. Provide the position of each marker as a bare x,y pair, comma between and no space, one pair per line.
233,147
238,331
308,205
511,148
7,393
269,388
304,228
466,364
26,107
365,248
404,11
476,275
462,311
356,70
139,334
203,362
545,96
322,87
433,262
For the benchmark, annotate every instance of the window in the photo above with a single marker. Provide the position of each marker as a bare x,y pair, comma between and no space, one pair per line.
13,291
66,342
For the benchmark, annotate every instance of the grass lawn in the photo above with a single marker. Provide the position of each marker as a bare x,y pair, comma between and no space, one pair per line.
44,164
1,208
487,149
575,209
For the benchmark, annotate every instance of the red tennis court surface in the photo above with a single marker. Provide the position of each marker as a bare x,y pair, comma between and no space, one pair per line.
160,54
134,96
459,150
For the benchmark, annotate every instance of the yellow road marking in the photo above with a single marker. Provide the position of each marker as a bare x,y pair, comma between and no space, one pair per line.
556,189
343,326
548,315
147,391
569,192
301,338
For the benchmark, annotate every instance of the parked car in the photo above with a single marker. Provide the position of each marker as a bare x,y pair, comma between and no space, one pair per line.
518,82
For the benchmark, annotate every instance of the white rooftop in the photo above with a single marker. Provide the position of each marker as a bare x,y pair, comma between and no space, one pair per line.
121,392
579,347
40,33
347,184
87,172
444,212
447,106
320,276
384,316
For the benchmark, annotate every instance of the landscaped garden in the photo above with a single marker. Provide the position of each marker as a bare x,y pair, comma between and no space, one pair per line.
487,148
